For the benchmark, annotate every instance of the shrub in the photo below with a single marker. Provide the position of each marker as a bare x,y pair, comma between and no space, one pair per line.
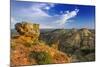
41,57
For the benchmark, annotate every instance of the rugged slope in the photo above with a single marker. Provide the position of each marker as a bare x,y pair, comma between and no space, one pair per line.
21,50
27,49
80,43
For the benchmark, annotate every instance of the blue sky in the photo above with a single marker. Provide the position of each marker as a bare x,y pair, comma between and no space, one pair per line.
53,15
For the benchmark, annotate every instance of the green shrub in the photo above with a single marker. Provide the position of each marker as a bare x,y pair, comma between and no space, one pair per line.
41,57
33,54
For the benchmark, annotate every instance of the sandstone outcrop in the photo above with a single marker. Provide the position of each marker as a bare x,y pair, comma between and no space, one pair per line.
28,29
27,42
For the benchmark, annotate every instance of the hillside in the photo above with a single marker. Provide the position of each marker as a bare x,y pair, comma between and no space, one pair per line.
79,43
28,49
31,45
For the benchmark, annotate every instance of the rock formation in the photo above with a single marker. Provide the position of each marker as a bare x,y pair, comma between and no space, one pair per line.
76,42
28,29
86,38
27,42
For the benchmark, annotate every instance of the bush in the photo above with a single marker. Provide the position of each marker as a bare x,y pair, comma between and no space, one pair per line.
41,57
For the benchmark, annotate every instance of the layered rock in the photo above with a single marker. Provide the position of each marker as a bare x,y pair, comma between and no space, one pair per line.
76,42
86,38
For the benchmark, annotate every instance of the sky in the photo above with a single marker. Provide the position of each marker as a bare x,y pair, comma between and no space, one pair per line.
53,15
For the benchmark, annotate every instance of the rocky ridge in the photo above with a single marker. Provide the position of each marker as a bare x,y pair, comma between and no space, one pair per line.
27,49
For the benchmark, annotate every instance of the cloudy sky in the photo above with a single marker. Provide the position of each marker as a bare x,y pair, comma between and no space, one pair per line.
53,15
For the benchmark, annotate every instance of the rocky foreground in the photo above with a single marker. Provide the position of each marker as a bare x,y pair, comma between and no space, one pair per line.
27,49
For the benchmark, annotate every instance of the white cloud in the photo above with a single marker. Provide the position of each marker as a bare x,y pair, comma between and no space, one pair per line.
36,10
13,21
43,26
67,16
36,14
47,8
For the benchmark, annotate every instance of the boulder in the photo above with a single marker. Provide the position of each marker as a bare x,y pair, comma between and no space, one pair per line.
28,29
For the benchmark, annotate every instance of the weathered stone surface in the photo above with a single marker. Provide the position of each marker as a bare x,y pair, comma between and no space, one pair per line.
86,38
28,41
28,29
84,32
